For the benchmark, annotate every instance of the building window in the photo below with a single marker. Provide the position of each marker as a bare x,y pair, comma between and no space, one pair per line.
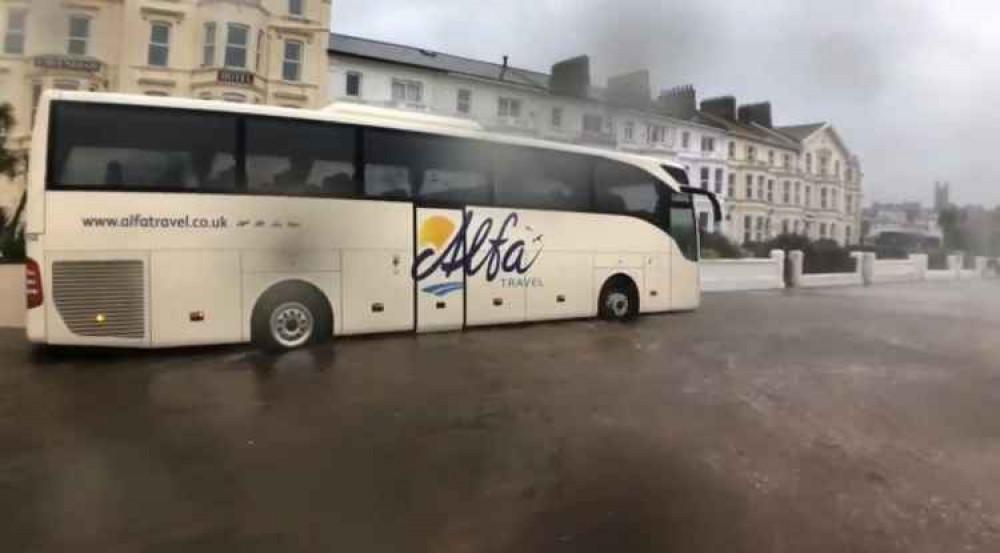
208,50
732,185
760,188
159,44
655,134
751,153
291,68
847,235
79,34
836,169
557,117
850,175
809,194
295,7
13,42
749,187
786,196
833,231
463,101
509,107
760,229
770,191
629,131
236,46
770,158
747,229
410,92
849,203
796,227
732,150
353,86
593,123
822,198
685,140
705,174
784,226
718,181
809,163
798,193
707,144
786,161
259,57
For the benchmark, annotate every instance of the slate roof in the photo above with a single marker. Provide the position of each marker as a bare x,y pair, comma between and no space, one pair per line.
430,59
753,131
800,132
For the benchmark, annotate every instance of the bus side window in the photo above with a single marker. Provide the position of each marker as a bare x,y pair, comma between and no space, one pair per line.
683,226
389,158
540,179
625,190
455,173
141,148
298,158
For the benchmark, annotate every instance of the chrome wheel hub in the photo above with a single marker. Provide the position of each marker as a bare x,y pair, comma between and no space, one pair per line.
617,304
292,324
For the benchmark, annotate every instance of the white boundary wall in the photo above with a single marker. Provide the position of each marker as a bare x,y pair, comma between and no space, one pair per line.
727,275
12,296
802,280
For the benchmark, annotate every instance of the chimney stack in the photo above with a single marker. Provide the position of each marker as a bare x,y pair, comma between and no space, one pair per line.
680,102
722,106
630,90
759,113
571,77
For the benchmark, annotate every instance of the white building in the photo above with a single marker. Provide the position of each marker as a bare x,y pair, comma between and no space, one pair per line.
771,180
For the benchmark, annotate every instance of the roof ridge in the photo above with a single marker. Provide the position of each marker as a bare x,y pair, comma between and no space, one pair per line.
435,52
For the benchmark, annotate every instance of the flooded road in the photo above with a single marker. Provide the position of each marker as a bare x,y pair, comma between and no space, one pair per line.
823,420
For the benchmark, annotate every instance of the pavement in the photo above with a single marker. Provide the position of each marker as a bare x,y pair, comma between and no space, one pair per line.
855,419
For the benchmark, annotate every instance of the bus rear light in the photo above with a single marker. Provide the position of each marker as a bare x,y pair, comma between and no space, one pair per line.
33,284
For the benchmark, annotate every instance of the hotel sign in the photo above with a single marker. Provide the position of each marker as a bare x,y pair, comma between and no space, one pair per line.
68,63
228,76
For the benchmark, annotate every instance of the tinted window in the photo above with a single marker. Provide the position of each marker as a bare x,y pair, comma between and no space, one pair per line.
682,225
628,190
390,159
454,172
542,179
300,158
103,146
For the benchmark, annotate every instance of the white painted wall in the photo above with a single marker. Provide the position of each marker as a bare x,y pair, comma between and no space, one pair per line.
725,275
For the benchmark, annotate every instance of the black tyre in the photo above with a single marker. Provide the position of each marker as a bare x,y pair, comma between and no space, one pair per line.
290,316
619,300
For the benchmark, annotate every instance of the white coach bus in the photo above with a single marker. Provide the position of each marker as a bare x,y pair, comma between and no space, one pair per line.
160,222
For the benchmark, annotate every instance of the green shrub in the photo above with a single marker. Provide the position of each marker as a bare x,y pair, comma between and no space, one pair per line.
715,245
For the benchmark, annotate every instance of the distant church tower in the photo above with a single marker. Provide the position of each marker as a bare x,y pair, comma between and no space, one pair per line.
942,193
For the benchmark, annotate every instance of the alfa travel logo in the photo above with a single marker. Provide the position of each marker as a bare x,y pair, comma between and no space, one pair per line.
474,246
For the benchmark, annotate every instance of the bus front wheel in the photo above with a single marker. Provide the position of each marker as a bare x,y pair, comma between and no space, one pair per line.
619,299
289,316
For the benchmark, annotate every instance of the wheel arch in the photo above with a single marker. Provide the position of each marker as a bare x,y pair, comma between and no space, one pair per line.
626,280
289,285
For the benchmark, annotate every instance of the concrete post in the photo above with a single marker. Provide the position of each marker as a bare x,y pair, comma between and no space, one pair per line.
981,267
868,268
920,264
955,265
778,256
859,261
796,259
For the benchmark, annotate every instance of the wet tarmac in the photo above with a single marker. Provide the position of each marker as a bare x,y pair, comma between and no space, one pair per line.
829,420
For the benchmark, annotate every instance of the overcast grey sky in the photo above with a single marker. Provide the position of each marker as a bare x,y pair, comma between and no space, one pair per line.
912,85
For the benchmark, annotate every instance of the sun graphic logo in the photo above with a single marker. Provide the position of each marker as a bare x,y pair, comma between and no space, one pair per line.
436,232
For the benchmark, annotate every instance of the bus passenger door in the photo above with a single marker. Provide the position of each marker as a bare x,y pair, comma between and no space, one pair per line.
685,279
439,273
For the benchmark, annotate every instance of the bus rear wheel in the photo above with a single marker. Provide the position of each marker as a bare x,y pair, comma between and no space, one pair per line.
291,316
619,300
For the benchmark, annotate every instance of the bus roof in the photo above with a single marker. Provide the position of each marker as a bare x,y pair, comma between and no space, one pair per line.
369,116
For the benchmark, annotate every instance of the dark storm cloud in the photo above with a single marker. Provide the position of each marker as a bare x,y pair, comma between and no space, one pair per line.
911,85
